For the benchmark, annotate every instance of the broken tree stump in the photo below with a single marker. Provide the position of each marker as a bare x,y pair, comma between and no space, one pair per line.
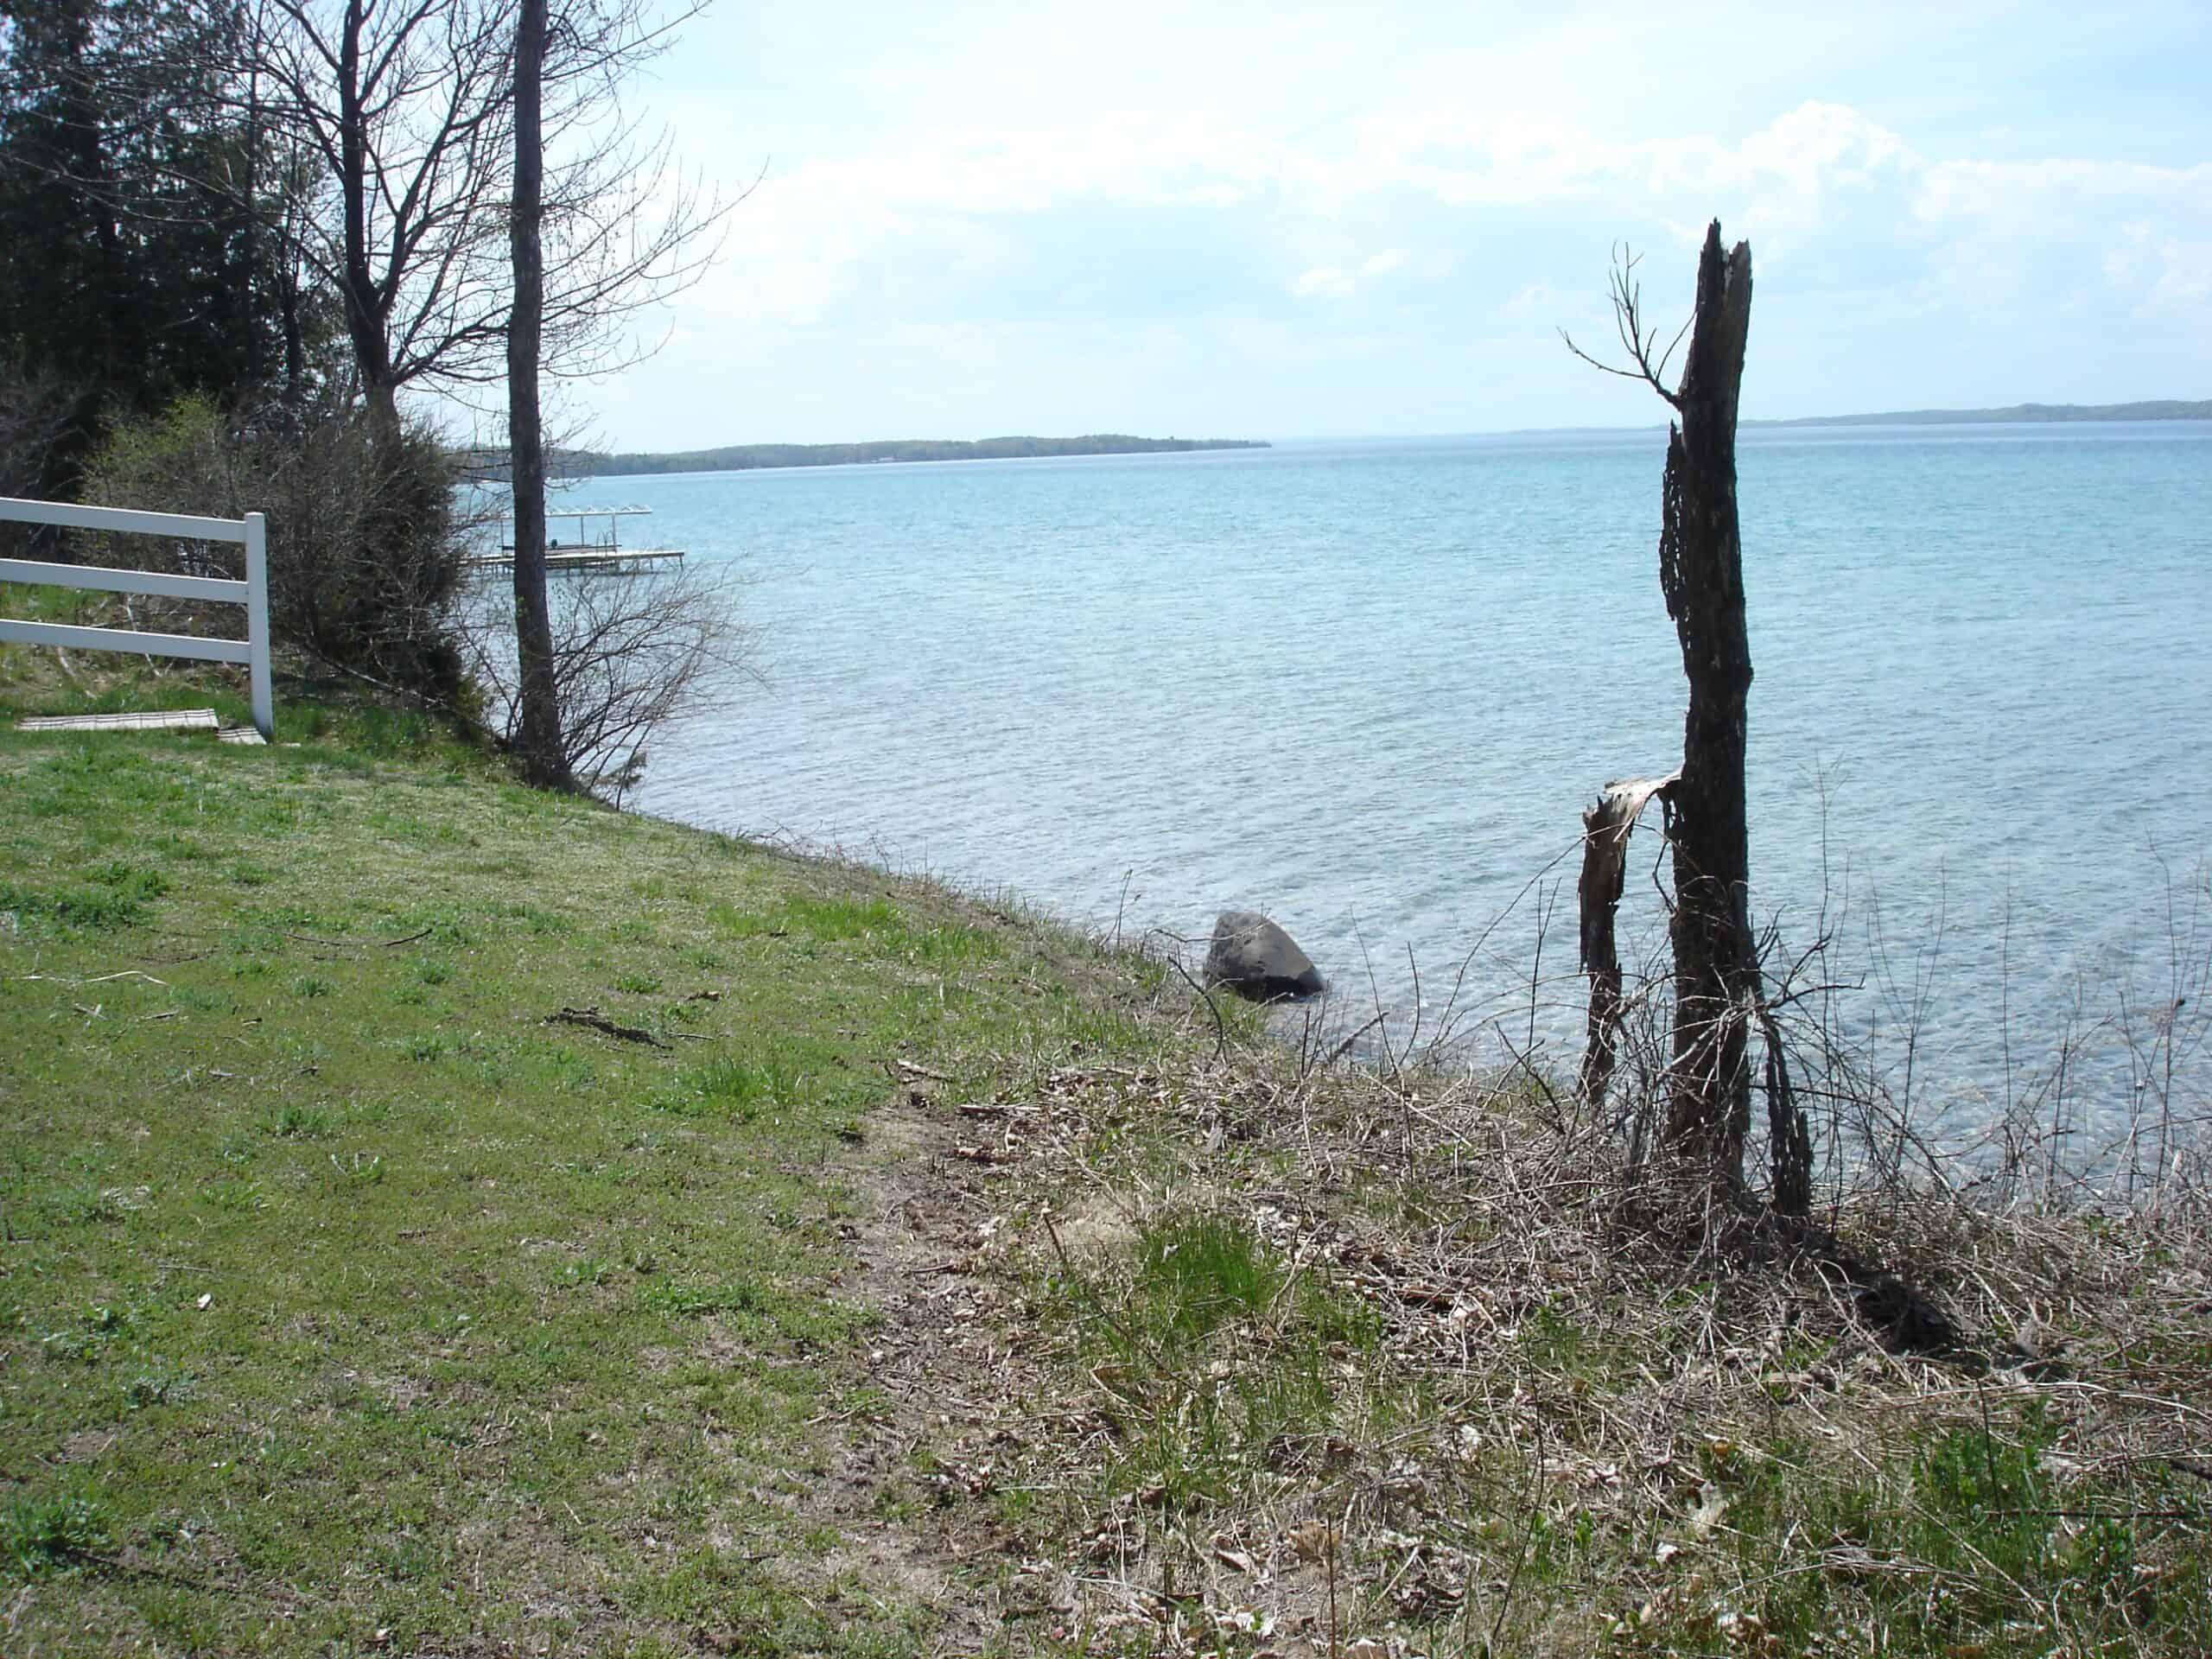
1606,829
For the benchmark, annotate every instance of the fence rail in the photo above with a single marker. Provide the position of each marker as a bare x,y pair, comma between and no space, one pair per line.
251,531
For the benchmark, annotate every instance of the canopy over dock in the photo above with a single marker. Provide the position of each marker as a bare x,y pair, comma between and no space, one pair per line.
592,545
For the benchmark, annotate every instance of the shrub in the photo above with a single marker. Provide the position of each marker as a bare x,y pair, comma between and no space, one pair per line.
633,651
365,543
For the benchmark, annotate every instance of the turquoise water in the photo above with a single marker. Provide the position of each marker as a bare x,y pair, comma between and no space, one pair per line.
1367,688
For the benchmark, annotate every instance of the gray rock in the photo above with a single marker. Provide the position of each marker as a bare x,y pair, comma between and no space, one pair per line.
1255,958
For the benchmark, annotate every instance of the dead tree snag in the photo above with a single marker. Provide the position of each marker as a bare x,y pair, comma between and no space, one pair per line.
1719,998
1701,574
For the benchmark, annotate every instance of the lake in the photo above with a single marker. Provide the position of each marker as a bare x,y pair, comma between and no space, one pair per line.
1368,687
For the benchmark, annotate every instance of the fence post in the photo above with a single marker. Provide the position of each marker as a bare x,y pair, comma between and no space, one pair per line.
256,625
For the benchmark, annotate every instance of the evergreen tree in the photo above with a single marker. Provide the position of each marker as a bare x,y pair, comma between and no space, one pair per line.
136,269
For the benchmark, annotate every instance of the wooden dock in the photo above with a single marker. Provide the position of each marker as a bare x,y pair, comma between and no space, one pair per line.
587,549
562,560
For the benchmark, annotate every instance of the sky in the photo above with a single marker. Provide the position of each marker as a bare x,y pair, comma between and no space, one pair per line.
1279,220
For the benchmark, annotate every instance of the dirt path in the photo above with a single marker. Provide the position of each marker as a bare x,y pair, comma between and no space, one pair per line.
906,1477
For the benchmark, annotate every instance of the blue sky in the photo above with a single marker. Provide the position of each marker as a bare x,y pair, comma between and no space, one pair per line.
1278,220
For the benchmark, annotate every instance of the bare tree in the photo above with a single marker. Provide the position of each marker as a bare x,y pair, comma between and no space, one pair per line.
491,213
1701,574
407,106
1719,997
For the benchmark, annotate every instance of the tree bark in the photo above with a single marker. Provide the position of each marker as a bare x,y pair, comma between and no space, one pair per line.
1702,573
539,746
367,313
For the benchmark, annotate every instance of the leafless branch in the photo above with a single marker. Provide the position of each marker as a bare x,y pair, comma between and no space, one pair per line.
633,651
1638,338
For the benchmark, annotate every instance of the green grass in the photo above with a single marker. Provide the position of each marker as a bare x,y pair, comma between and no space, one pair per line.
1195,1273
1965,1538
345,1294
1217,1356
57,1533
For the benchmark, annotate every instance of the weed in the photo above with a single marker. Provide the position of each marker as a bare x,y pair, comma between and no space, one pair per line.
151,1389
73,1347
117,896
293,1122
834,916
590,1272
43,1535
357,1171
80,1206
1197,1272
229,1195
691,1301
737,1086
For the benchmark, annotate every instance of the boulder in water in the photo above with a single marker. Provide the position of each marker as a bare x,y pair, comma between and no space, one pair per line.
1256,959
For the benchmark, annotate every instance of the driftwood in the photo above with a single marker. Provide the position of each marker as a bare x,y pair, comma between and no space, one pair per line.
1605,830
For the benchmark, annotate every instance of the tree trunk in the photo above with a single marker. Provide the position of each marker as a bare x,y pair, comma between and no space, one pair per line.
367,312
537,742
247,216
1702,573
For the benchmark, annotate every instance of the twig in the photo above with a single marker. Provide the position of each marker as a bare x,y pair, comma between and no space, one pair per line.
360,944
1533,1499
598,1021
1220,1031
1345,1046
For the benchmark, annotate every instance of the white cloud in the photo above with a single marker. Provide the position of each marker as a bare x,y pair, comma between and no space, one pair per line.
1478,222
2163,273
1332,282
1820,170
1325,283
1536,301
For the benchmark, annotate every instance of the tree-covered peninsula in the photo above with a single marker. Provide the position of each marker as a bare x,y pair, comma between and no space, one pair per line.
740,457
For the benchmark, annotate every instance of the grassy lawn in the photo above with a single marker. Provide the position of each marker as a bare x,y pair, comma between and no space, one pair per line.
352,1304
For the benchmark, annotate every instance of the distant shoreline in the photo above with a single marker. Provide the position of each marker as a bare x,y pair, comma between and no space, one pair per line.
490,465
747,457
2162,408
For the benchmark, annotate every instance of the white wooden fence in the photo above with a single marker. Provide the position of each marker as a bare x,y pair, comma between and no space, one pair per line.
252,593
